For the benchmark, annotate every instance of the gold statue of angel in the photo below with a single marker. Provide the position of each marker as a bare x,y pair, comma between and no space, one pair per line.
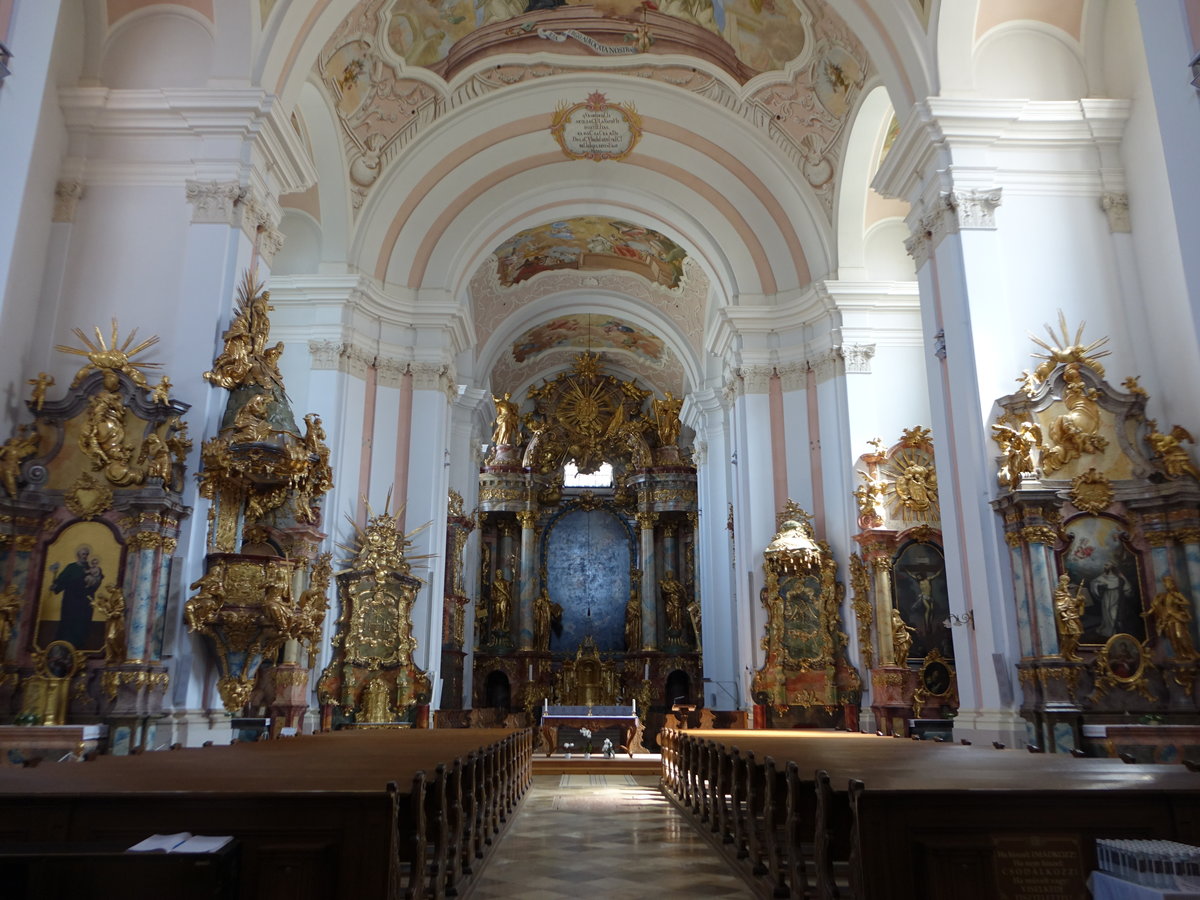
1170,450
1017,445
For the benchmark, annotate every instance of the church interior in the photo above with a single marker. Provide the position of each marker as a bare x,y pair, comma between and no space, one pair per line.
665,370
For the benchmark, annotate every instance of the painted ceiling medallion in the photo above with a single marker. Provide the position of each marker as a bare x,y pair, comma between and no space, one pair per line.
590,242
596,129
585,331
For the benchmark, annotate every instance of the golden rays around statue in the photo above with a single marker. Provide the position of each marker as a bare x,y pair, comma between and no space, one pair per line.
1062,350
111,354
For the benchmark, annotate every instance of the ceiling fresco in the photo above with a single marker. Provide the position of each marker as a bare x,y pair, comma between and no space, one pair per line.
492,303
590,242
588,332
764,34
509,375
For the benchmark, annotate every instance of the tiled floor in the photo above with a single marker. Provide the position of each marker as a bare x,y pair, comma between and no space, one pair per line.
608,837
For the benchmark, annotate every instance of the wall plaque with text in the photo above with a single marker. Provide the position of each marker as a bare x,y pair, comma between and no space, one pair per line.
1045,867
596,129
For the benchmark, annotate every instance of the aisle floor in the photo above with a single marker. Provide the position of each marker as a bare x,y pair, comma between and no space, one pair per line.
604,836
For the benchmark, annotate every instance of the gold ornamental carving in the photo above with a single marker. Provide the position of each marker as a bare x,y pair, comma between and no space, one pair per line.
111,681
1039,534
864,612
588,417
1091,491
88,498
109,356
1123,662
1062,349
900,484
804,644
501,495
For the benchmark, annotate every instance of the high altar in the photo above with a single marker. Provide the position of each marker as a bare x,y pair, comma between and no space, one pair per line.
588,594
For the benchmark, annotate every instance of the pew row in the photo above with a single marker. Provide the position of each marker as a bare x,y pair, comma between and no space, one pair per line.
395,814
823,814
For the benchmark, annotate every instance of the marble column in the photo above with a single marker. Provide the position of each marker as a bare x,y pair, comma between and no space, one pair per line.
649,568
671,551
1043,580
881,569
505,566
528,592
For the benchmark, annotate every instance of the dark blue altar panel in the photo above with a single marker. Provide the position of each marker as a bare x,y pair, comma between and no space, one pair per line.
587,564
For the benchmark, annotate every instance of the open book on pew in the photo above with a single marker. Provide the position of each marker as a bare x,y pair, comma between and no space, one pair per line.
183,842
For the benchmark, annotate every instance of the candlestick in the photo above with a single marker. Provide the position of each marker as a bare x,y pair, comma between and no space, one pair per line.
531,671
646,672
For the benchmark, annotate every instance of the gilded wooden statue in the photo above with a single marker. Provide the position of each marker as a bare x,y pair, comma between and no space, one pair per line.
1068,609
1172,614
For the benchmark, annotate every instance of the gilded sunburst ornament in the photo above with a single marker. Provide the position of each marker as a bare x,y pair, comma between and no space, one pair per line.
111,354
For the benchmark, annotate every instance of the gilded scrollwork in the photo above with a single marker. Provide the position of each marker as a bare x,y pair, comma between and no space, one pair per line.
1123,662
1091,491
864,612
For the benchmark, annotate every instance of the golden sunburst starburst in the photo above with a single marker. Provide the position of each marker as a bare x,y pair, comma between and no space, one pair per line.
1062,350
112,354
382,544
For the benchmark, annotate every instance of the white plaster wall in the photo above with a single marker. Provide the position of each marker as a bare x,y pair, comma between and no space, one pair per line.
428,478
722,613
159,48
30,158
383,450
798,442
1159,300
301,253
1029,60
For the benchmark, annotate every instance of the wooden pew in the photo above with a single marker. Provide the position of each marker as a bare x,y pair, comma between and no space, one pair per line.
341,815
940,804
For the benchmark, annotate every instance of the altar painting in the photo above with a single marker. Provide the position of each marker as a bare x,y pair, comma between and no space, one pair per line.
587,557
802,613
1099,558
84,558
919,573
